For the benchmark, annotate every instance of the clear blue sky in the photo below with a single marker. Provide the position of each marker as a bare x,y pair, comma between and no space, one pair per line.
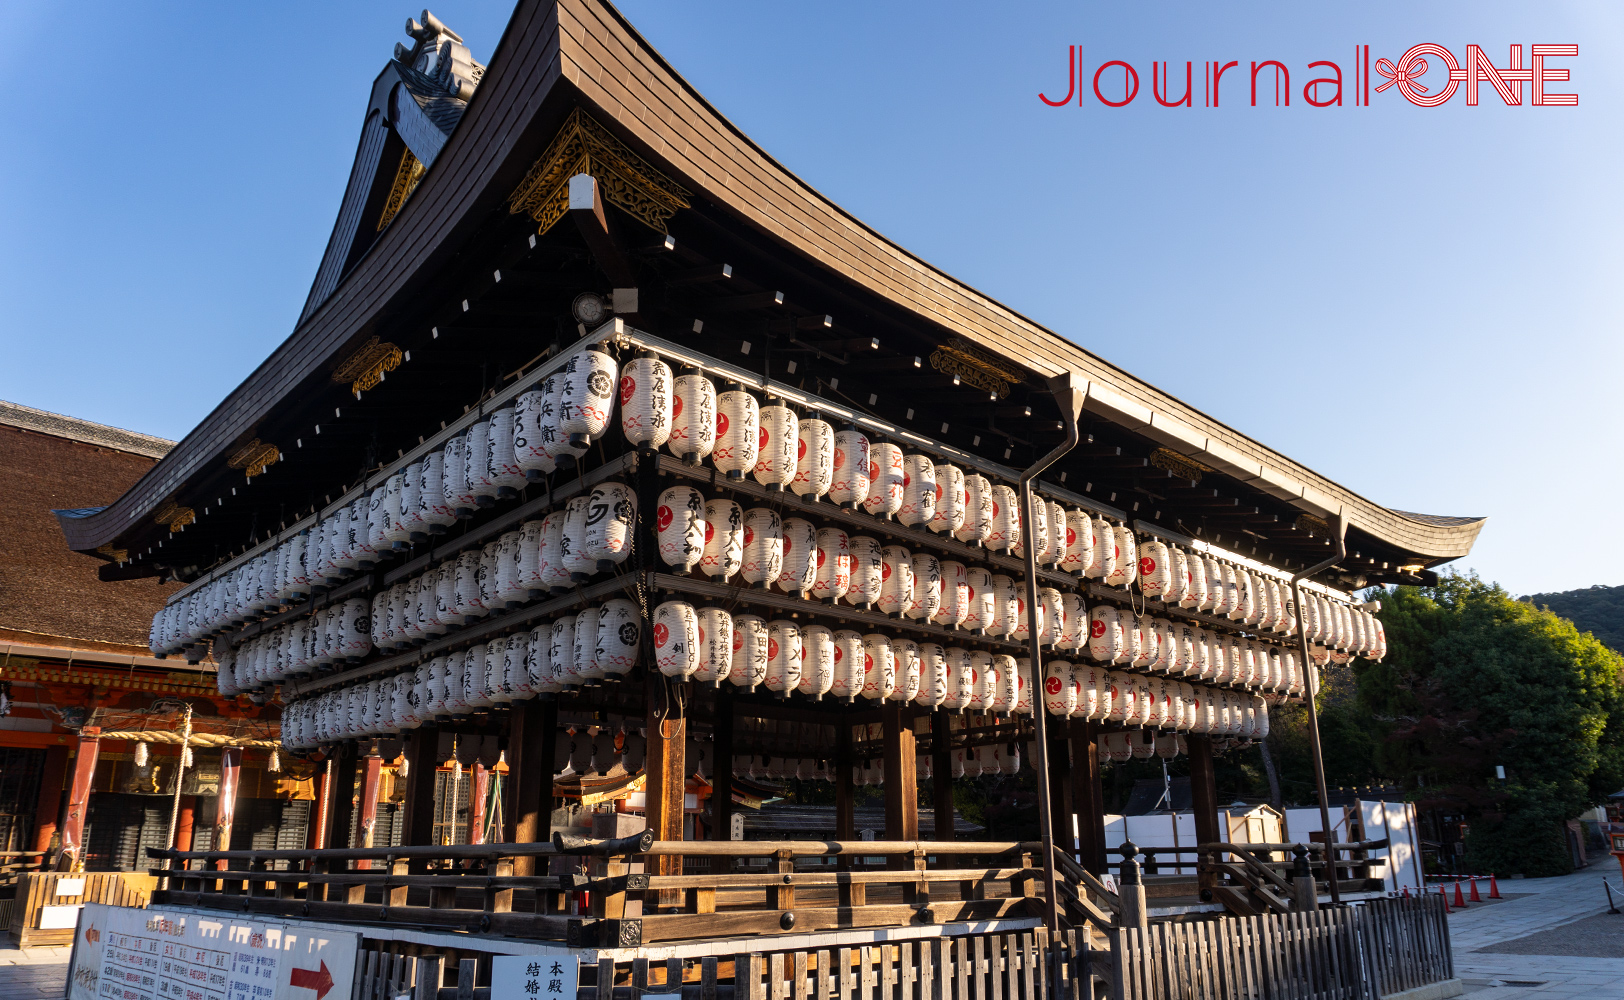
1422,304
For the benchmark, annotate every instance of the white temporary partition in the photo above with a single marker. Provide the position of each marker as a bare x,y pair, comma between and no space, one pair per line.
1395,821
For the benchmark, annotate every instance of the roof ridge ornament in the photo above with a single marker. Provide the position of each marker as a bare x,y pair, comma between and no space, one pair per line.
583,146
973,365
441,56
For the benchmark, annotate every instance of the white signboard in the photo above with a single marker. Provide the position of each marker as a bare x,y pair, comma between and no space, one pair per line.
128,954
535,977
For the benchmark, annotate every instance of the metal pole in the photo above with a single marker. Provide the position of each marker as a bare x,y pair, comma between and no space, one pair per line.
1069,392
1312,688
180,772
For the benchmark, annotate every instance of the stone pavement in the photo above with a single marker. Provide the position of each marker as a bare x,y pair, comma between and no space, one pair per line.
1555,933
32,973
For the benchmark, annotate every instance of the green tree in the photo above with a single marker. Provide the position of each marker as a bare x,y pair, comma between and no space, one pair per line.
1475,679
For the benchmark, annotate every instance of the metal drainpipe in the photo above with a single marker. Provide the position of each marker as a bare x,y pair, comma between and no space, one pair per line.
1069,391
1312,688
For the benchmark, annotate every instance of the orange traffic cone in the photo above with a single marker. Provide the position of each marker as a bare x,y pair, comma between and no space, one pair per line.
1494,887
1475,897
1460,901
1444,896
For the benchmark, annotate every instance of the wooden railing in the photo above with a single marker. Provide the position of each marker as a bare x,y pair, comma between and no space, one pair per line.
609,893
1247,879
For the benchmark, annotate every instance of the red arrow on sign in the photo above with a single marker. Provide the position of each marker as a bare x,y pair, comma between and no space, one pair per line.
312,979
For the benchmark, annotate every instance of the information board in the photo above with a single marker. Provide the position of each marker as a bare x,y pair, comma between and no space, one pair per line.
535,977
121,953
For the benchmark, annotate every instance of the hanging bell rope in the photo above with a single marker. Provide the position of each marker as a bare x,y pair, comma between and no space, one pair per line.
197,740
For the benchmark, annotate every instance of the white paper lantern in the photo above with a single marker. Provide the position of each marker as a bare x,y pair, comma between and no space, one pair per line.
539,663
763,547
867,571
885,475
738,430
976,528
724,539
777,443
979,599
1105,636
1051,617
849,482
896,580
1126,564
646,393
879,667
680,526
984,679
503,465
551,573
611,523
530,450
955,602
1006,520
1102,554
1177,576
587,396
932,676
927,587
918,490
948,516
1074,623
477,464
1006,605
676,639
1040,535
817,662
800,556
1004,684
561,652
715,646
1153,569
960,679
1059,691
586,646
574,547
849,674
620,636
832,577
693,418
905,661
783,657
814,458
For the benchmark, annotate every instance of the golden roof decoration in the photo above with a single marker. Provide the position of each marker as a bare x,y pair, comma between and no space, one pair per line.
1182,466
973,365
254,457
583,146
174,515
410,171
364,369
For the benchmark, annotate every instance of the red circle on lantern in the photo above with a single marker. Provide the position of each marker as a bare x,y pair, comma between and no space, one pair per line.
761,438
664,516
676,407
1096,629
710,532
1052,685
661,634
1147,566
721,423
772,648
749,534
800,449
627,386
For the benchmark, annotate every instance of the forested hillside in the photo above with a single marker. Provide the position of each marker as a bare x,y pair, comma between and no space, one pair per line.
1598,609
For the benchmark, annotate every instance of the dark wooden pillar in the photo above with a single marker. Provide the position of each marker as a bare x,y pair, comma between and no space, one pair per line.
1203,790
941,773
343,810
185,823
73,825
367,804
667,772
49,809
531,746
845,817
476,802
721,802
1060,787
901,773
423,756
225,807
1087,796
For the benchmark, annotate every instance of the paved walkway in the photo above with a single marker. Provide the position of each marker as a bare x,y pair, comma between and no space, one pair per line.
32,973
1554,933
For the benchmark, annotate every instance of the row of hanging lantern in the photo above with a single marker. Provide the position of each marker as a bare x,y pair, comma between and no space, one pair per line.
1088,692
592,534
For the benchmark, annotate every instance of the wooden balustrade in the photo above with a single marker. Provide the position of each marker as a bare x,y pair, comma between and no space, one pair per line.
607,893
